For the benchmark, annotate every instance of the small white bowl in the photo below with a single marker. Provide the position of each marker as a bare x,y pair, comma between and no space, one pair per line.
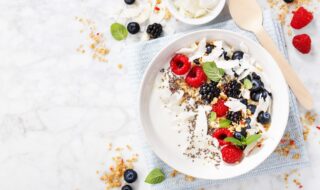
196,21
159,133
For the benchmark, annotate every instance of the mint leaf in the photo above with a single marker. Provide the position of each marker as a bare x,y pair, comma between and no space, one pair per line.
224,123
118,31
247,84
155,176
212,71
252,138
233,141
213,116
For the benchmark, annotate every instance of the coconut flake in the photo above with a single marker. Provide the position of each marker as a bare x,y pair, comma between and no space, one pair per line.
235,105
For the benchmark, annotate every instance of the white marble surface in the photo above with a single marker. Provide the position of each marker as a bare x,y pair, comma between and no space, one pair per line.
59,108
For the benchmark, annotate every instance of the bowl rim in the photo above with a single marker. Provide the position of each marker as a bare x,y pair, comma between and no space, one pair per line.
196,21
143,83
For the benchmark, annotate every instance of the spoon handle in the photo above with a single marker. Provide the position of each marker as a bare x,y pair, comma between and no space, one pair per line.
291,77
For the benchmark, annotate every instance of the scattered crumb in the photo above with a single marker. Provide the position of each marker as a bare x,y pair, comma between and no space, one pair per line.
129,147
120,66
291,174
189,178
174,173
118,149
110,146
286,145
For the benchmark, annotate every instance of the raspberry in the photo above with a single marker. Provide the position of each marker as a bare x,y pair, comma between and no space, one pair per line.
301,18
231,154
220,134
196,77
180,64
302,43
220,108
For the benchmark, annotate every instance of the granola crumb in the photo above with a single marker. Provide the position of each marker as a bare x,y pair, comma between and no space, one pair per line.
189,178
120,66
174,173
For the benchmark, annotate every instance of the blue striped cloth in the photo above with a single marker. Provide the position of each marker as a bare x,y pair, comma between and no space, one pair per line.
140,55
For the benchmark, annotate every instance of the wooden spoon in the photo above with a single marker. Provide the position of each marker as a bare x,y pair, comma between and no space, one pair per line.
248,15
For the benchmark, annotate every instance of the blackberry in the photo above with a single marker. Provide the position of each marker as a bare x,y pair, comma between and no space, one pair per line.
209,91
234,116
154,30
232,89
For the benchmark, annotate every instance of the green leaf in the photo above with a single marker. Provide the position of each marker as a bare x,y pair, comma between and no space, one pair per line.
118,31
252,138
247,84
233,141
224,123
212,71
213,116
155,176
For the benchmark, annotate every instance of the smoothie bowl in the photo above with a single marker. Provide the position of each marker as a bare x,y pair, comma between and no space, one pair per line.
213,104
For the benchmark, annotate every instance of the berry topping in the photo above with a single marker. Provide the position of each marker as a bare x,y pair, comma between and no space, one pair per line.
255,76
252,108
220,109
220,134
237,55
133,27
288,1
302,43
264,117
196,77
209,91
256,85
244,101
209,48
225,56
238,135
231,154
129,2
301,18
126,187
154,30
232,89
180,64
130,176
234,116
196,61
255,96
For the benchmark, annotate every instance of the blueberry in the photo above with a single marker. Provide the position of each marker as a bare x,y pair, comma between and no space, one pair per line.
288,1
130,175
225,56
238,135
237,55
255,96
255,76
252,108
256,85
244,101
248,120
126,187
264,117
133,27
129,2
244,132
196,61
209,48
264,94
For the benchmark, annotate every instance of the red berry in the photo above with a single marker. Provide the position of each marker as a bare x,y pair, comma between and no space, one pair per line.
231,154
220,109
196,77
302,43
220,134
180,64
301,18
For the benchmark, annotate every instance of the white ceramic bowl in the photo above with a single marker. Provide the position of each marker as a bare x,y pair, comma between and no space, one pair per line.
196,21
163,141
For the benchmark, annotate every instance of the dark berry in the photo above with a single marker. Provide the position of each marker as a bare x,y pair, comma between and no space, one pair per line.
126,187
244,132
257,85
238,135
225,55
234,116
232,89
248,120
244,101
133,27
209,48
130,176
154,30
264,117
129,2
288,1
196,61
255,96
237,55
252,108
255,76
209,91
264,94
